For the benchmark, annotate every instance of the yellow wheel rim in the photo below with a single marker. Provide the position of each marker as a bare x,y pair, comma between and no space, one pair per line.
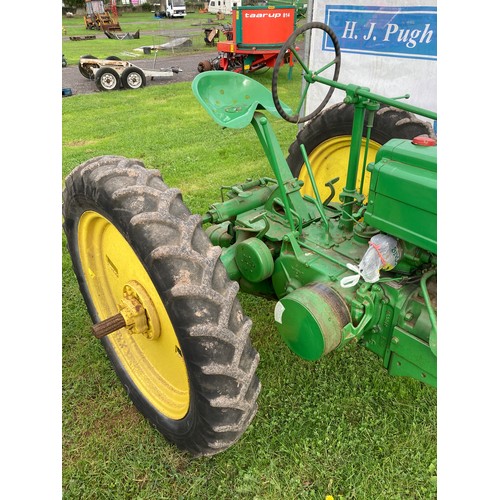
155,365
329,160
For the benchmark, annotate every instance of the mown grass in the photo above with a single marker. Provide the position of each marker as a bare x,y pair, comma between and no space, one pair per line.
340,426
153,32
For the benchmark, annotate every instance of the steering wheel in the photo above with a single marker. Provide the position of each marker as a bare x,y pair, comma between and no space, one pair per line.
289,48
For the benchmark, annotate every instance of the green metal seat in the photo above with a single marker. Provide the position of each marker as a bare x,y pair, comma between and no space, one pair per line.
231,99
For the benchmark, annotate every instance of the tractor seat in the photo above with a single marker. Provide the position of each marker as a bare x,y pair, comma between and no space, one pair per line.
232,98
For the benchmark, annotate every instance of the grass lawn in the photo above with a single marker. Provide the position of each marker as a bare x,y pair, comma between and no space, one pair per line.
152,31
340,426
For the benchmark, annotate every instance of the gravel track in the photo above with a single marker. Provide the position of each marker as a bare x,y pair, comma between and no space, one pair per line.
73,79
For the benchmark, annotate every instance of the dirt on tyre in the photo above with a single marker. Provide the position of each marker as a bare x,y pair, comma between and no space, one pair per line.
327,139
187,361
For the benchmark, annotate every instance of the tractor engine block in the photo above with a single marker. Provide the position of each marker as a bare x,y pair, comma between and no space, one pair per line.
304,269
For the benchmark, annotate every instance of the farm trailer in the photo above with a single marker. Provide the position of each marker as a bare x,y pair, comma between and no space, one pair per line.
112,73
253,40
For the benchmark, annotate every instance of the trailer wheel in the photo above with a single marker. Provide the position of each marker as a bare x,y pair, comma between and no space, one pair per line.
86,70
191,369
133,78
107,78
327,139
113,58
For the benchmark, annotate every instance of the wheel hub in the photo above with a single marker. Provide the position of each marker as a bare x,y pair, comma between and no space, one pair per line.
108,81
134,80
137,314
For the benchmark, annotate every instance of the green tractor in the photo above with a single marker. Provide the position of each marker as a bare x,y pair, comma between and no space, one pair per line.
161,283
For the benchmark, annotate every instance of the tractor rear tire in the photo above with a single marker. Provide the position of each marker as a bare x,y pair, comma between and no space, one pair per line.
193,376
327,139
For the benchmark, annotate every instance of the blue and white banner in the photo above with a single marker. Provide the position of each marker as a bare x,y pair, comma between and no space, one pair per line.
389,46
409,32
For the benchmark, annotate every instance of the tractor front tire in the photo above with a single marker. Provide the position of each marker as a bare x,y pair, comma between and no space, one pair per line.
192,372
327,139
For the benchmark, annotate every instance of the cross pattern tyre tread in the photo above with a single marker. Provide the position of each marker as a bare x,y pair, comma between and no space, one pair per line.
337,120
201,301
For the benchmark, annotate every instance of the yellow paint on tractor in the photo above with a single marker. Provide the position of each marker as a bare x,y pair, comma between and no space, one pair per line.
152,357
330,160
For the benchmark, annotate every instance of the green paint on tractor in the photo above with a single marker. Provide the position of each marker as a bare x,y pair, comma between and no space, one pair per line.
306,252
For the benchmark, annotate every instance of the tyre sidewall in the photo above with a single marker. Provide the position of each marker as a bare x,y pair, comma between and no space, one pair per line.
125,75
83,70
337,120
175,430
99,75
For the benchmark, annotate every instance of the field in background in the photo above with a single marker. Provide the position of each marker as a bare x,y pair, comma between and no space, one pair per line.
152,31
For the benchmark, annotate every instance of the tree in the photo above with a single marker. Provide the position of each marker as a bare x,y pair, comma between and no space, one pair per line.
74,4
